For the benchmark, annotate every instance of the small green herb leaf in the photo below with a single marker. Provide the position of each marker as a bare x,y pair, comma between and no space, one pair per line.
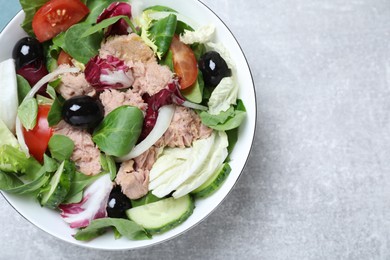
23,87
28,112
61,147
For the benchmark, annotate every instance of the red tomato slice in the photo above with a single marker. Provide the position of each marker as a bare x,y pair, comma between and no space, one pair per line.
38,138
64,58
184,63
57,16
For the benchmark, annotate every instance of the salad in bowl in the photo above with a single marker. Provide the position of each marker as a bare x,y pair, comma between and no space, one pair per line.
121,121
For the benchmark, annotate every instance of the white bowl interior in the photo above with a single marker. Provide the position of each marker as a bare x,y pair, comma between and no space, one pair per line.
50,221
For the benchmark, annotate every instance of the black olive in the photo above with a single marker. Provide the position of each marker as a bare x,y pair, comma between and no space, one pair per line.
213,68
26,51
82,112
117,204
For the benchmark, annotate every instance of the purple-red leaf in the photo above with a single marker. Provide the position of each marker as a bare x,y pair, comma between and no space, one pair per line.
116,9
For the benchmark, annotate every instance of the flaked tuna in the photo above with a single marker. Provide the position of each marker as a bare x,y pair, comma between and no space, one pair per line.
112,99
74,84
134,183
85,153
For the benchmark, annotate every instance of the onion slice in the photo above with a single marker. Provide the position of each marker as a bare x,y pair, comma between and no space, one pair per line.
165,115
30,94
193,105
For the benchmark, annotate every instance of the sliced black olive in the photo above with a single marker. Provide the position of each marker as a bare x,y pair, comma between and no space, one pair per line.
26,51
118,203
82,112
213,68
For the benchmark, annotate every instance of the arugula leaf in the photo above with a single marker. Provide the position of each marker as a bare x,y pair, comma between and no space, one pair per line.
119,131
161,33
61,147
55,116
28,113
82,50
23,87
125,227
30,8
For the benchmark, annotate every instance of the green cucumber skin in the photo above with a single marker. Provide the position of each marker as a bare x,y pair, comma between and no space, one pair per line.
175,222
215,185
62,188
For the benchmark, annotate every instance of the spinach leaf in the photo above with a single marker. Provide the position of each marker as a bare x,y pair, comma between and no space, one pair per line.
119,131
61,147
30,8
55,116
106,23
232,140
23,87
79,183
168,60
159,8
181,27
50,164
108,165
28,113
96,7
82,50
125,227
161,33
148,198
227,120
195,92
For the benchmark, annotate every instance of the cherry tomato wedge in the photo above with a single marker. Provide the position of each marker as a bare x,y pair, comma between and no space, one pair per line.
184,63
64,58
38,138
57,16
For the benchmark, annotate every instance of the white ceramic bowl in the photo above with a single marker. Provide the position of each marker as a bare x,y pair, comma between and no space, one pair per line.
50,221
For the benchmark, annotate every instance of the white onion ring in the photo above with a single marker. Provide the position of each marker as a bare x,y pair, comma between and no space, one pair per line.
165,115
30,94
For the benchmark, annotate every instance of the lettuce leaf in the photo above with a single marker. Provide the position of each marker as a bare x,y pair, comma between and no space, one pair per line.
30,8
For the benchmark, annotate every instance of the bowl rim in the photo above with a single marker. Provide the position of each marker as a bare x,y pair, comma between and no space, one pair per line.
203,218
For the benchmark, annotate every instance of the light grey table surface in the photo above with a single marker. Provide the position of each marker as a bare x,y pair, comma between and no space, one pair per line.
317,185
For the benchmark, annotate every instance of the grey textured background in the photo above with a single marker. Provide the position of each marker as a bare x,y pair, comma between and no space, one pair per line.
317,185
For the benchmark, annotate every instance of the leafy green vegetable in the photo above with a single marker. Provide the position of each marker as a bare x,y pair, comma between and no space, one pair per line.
168,60
51,91
199,49
9,181
82,50
6,137
30,8
23,87
232,138
125,227
106,23
227,120
54,116
28,113
148,198
79,183
96,7
108,165
159,8
61,147
50,164
161,33
28,187
15,161
195,92
181,27
119,131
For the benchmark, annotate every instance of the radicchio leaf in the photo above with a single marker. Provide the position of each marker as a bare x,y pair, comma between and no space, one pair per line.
92,206
116,9
167,96
108,73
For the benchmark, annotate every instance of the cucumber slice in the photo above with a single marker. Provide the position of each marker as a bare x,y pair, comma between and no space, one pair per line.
213,183
163,215
55,192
